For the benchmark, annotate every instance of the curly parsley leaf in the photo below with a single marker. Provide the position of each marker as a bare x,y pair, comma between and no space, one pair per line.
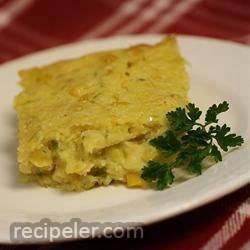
214,111
167,142
215,153
226,140
196,158
197,136
179,120
189,142
194,113
160,173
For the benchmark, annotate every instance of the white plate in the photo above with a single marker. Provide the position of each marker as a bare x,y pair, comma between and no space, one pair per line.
219,71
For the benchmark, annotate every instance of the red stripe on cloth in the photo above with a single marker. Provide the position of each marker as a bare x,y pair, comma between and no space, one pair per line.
33,36
8,42
5,56
200,21
62,20
195,26
51,23
223,20
239,8
3,3
17,41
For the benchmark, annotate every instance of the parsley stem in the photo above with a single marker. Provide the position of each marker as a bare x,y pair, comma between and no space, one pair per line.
175,163
203,127
199,124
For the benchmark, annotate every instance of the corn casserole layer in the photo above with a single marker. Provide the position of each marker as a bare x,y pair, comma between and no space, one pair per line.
87,121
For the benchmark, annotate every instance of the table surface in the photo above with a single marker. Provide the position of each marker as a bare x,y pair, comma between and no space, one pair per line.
27,26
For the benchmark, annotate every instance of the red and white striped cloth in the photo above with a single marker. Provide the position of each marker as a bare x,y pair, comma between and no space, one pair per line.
32,25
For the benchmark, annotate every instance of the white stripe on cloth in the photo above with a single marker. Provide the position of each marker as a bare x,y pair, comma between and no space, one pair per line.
126,10
246,246
148,14
174,15
14,8
230,228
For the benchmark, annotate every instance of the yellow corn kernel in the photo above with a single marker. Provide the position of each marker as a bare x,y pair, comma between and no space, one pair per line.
134,180
75,91
40,158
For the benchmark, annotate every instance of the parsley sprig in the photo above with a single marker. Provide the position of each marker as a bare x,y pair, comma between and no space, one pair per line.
190,142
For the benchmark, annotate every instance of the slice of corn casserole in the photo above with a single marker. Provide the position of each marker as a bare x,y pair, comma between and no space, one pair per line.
87,121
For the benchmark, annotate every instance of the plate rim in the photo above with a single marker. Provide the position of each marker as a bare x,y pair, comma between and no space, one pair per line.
129,36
